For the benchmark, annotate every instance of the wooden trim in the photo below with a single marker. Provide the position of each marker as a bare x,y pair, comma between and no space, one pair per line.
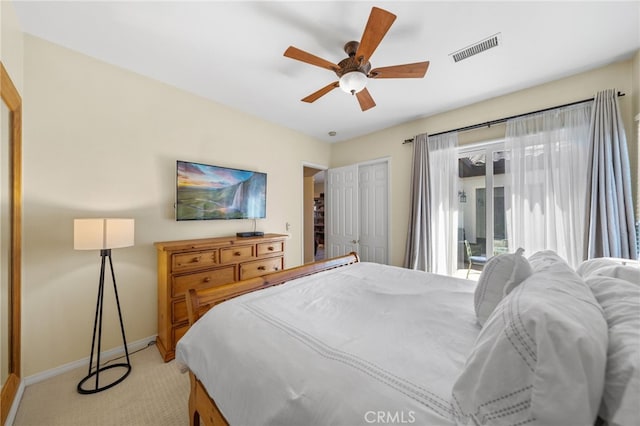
202,408
12,99
200,301
9,391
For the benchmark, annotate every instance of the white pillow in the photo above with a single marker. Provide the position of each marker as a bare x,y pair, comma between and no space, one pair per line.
620,300
545,259
500,275
590,266
629,273
628,270
540,357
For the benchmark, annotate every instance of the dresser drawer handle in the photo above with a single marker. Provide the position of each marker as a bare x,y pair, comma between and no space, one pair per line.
270,248
275,268
207,279
261,268
237,253
195,260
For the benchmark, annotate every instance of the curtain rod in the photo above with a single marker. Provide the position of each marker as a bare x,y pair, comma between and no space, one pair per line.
502,120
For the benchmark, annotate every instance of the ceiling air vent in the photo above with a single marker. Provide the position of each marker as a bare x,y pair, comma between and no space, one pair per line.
476,48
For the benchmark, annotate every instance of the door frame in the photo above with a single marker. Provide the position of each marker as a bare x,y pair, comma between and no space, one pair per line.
320,168
12,388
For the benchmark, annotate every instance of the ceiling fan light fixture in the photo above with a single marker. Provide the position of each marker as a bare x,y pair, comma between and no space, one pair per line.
354,71
353,82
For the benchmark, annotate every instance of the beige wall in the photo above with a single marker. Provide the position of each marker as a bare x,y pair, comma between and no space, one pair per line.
388,142
102,141
11,48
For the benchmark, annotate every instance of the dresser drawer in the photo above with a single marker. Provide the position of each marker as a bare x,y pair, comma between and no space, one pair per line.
179,310
260,267
178,332
234,254
194,260
268,248
206,279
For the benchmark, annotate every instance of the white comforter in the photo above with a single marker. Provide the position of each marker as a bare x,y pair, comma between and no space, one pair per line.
361,344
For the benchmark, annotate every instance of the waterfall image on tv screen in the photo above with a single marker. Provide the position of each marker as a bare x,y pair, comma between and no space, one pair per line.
211,192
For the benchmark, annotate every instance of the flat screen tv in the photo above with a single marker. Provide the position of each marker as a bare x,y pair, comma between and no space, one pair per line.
207,192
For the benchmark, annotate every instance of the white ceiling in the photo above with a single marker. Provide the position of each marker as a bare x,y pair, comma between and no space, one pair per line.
232,51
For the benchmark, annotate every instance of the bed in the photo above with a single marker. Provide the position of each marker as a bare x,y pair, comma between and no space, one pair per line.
344,342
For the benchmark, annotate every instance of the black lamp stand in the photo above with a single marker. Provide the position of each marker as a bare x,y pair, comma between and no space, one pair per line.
97,325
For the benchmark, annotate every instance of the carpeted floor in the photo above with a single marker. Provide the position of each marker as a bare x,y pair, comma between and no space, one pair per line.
154,393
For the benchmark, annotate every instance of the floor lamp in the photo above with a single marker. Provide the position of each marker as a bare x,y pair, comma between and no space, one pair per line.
103,235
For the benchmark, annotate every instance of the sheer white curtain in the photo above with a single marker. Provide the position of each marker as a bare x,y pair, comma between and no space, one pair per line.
546,193
443,183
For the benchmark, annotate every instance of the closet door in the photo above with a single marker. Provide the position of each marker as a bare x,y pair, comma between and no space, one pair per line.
341,211
373,189
357,211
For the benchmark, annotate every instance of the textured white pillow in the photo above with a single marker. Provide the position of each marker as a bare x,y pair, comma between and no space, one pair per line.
629,273
609,267
589,266
544,259
500,275
620,300
540,357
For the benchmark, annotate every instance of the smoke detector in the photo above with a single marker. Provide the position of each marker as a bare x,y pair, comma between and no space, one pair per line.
478,47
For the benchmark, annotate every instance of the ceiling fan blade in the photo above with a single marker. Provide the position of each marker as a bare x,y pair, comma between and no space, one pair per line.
377,26
365,99
301,55
417,70
317,95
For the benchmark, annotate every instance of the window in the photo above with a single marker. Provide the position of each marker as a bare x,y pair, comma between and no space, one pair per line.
481,196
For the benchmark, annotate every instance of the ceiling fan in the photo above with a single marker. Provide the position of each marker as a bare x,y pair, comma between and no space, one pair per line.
354,71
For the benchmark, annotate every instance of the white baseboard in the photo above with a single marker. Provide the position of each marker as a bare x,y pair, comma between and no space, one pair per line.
134,346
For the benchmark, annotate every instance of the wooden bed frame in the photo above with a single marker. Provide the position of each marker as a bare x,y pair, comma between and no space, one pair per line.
202,408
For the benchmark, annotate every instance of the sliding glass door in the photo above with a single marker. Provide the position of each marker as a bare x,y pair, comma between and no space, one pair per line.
482,224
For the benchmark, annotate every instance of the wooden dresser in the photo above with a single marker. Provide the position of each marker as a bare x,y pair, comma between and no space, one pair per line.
204,263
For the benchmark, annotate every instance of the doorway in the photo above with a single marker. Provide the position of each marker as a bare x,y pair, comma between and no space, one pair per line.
482,213
313,213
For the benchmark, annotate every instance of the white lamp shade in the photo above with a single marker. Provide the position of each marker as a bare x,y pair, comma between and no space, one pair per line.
98,234
353,82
